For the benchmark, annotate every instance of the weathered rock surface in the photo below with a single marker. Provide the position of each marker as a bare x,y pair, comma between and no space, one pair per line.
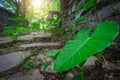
43,44
90,63
33,35
11,60
30,75
39,34
69,76
5,40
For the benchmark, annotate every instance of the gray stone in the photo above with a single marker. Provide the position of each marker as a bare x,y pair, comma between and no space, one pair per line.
43,58
69,76
117,8
32,35
34,45
73,7
30,75
11,60
4,40
90,63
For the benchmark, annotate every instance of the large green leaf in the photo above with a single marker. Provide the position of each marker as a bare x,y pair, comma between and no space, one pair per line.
47,64
78,50
85,32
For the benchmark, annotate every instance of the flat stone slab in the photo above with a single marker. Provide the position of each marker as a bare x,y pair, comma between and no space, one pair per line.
40,34
4,40
45,59
11,60
30,75
42,44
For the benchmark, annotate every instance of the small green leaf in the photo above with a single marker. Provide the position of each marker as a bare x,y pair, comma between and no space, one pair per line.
78,8
84,5
88,4
78,15
79,20
79,76
70,27
47,64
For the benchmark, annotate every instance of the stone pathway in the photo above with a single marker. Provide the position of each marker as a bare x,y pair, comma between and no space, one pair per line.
31,36
42,44
5,40
39,34
30,75
11,60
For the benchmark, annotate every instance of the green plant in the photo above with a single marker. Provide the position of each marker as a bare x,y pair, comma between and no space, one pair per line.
29,64
79,10
55,29
80,76
85,5
53,54
13,31
85,45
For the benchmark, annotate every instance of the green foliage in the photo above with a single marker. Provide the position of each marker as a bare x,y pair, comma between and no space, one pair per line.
16,19
79,10
8,4
54,22
79,76
55,29
85,45
19,21
82,18
55,5
118,62
12,30
46,65
51,53
29,65
85,5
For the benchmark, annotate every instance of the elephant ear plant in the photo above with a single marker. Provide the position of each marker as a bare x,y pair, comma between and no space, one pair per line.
85,44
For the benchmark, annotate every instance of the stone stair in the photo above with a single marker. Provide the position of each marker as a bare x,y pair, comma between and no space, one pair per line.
11,61
29,37
35,45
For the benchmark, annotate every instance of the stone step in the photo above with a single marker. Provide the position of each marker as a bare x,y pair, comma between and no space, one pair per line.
28,37
37,45
30,75
34,35
5,40
11,61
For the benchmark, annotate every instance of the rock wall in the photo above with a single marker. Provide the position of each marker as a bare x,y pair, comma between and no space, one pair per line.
106,10
4,14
